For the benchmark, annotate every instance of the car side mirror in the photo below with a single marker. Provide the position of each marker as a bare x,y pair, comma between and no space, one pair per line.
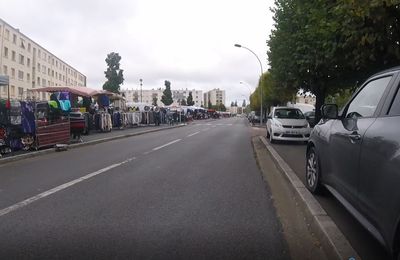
330,111
269,117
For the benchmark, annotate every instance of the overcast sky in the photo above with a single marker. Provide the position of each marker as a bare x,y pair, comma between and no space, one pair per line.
190,43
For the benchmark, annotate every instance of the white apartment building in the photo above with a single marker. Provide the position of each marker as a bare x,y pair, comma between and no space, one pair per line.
215,96
30,66
147,95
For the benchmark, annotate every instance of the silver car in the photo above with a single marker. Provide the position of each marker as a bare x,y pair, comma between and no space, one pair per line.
287,124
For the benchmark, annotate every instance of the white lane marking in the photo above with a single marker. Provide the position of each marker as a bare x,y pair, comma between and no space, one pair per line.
59,188
162,146
193,134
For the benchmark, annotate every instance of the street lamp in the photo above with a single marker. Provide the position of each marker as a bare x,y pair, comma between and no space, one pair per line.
141,83
261,97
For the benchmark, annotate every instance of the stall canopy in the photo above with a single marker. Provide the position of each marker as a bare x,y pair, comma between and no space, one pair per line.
80,91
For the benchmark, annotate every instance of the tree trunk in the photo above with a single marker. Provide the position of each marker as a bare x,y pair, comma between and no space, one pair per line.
320,94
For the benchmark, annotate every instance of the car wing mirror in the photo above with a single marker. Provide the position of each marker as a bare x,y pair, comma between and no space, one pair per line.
330,111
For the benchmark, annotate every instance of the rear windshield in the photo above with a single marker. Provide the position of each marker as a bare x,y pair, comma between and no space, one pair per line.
288,113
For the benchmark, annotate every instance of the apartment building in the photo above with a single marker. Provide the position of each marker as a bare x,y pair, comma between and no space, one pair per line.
30,66
215,96
147,95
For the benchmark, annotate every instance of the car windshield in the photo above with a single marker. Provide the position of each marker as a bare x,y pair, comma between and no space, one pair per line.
288,113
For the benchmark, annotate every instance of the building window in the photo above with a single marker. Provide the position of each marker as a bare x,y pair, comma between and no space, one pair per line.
43,96
44,56
28,77
20,91
56,63
5,52
13,55
5,70
29,47
20,75
14,38
52,73
22,43
48,83
21,59
12,73
7,35
28,62
48,71
38,81
44,69
43,82
12,90
38,67
39,53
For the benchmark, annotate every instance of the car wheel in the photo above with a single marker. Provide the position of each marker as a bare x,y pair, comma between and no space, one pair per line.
268,135
313,172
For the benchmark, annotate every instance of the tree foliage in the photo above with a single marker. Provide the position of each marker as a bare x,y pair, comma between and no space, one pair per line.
183,102
155,99
244,103
190,101
166,98
113,74
325,46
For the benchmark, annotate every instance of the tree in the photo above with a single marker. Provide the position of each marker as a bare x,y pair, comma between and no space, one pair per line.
155,99
166,98
235,103
232,104
190,101
244,103
209,105
327,46
183,102
113,74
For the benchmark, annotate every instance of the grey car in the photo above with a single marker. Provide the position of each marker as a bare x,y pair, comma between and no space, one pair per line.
355,154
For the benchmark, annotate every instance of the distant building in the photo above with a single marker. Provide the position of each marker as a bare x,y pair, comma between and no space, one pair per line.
306,99
147,95
30,66
215,96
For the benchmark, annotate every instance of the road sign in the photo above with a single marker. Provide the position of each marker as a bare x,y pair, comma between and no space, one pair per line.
4,80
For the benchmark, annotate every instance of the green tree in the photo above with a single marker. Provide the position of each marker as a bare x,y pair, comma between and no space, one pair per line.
155,99
232,104
183,102
235,103
113,74
190,101
327,46
166,98
209,105
244,103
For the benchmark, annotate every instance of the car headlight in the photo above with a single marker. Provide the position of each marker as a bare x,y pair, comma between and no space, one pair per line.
306,125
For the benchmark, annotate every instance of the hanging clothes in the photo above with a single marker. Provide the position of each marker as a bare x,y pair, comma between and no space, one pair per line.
15,113
28,118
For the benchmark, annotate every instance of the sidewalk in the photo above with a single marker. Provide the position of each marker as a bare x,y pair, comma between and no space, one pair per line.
93,138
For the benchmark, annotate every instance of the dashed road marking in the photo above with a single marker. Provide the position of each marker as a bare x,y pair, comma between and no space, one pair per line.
162,146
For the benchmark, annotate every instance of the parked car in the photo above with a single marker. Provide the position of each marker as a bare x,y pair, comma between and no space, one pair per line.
310,117
355,154
287,124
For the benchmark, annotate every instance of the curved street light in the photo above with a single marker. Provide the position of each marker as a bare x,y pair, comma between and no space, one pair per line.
261,97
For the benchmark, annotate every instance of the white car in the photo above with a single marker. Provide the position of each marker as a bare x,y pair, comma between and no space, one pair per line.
287,124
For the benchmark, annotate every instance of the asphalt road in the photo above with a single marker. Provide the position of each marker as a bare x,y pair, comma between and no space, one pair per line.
188,193
367,247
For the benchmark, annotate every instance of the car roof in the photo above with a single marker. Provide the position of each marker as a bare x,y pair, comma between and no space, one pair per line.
287,108
394,69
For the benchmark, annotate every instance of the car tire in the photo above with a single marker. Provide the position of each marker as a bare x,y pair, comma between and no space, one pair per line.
268,135
313,172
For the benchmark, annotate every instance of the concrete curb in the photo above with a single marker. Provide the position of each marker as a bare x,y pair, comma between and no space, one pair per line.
73,146
332,239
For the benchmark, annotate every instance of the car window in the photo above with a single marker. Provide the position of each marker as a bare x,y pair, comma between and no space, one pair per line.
289,114
367,100
395,108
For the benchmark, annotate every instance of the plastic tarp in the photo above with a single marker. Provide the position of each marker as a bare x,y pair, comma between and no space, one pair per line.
80,91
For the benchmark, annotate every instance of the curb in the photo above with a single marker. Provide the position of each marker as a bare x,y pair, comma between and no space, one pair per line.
73,146
332,239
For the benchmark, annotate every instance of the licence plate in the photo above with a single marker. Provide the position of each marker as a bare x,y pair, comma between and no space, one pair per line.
293,132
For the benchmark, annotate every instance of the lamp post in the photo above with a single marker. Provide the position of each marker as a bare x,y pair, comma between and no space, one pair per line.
261,97
141,83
